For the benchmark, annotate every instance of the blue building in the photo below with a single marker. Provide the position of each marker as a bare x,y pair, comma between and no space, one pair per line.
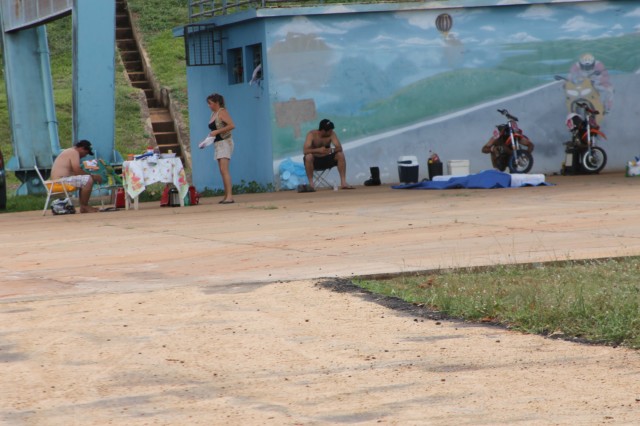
408,78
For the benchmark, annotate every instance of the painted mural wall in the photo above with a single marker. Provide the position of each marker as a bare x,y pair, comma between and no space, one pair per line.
421,81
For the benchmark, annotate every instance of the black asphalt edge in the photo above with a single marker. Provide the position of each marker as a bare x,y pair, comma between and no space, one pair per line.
343,285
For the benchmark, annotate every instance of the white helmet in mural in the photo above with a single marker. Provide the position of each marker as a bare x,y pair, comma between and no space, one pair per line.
587,62
573,120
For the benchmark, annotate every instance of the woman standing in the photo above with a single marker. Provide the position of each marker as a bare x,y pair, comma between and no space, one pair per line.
221,125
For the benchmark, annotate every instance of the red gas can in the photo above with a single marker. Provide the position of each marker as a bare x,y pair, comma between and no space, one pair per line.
120,203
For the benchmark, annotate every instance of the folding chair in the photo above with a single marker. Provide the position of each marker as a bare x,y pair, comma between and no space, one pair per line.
320,178
110,179
54,187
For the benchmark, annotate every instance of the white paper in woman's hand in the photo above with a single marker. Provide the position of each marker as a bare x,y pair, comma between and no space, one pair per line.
206,142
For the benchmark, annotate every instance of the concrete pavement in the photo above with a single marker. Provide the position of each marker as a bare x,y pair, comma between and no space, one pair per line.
291,236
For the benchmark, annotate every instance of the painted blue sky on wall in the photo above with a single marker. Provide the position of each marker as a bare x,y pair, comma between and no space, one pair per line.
408,46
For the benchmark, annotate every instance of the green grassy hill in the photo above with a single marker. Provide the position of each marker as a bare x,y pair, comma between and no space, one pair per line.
155,20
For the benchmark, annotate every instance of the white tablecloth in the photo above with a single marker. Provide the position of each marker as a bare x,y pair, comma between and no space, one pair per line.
140,173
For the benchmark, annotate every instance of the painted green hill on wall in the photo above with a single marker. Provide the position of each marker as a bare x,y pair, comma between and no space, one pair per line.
532,64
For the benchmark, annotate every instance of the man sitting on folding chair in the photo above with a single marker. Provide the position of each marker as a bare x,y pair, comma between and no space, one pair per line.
320,156
67,167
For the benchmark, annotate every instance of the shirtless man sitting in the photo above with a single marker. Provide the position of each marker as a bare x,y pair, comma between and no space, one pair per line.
318,153
67,167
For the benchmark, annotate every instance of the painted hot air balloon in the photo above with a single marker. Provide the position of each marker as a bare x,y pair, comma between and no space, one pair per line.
444,22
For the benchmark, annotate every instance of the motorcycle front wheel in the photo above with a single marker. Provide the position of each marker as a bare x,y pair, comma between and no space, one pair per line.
521,163
593,161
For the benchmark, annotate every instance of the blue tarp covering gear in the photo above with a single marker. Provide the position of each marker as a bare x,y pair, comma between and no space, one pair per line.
487,179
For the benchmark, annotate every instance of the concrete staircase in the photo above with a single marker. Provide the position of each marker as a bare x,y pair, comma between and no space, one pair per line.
163,124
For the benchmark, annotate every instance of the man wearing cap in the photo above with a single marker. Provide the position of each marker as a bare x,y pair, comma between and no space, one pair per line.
319,153
67,167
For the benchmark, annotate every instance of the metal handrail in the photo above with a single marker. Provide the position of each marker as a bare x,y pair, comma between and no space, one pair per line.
202,9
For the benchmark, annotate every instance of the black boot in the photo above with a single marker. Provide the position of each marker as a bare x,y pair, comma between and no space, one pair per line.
375,177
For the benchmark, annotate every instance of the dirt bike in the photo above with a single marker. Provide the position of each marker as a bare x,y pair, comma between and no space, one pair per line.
583,146
582,93
508,139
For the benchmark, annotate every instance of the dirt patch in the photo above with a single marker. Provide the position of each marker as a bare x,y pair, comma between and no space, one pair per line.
292,353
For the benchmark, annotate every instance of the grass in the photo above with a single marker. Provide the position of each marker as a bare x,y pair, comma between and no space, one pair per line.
155,19
24,203
596,301
129,127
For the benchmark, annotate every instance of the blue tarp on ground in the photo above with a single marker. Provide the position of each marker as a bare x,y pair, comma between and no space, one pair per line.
487,179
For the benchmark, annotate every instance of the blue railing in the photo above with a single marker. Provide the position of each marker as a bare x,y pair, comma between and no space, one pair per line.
203,9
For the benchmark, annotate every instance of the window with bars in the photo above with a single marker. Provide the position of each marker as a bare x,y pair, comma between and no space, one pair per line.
203,45
254,62
236,68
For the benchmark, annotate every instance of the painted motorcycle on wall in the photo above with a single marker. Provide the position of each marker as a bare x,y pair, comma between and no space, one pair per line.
583,155
583,92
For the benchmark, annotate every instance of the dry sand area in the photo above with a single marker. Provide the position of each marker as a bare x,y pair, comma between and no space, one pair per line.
225,314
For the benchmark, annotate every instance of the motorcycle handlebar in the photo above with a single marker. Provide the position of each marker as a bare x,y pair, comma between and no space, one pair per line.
506,114
586,108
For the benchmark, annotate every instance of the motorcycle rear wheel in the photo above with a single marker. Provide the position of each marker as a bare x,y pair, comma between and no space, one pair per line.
522,163
593,161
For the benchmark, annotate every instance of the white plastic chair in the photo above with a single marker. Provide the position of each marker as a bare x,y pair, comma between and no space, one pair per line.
54,188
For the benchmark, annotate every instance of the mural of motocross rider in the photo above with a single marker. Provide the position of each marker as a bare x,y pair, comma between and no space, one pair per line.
588,68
